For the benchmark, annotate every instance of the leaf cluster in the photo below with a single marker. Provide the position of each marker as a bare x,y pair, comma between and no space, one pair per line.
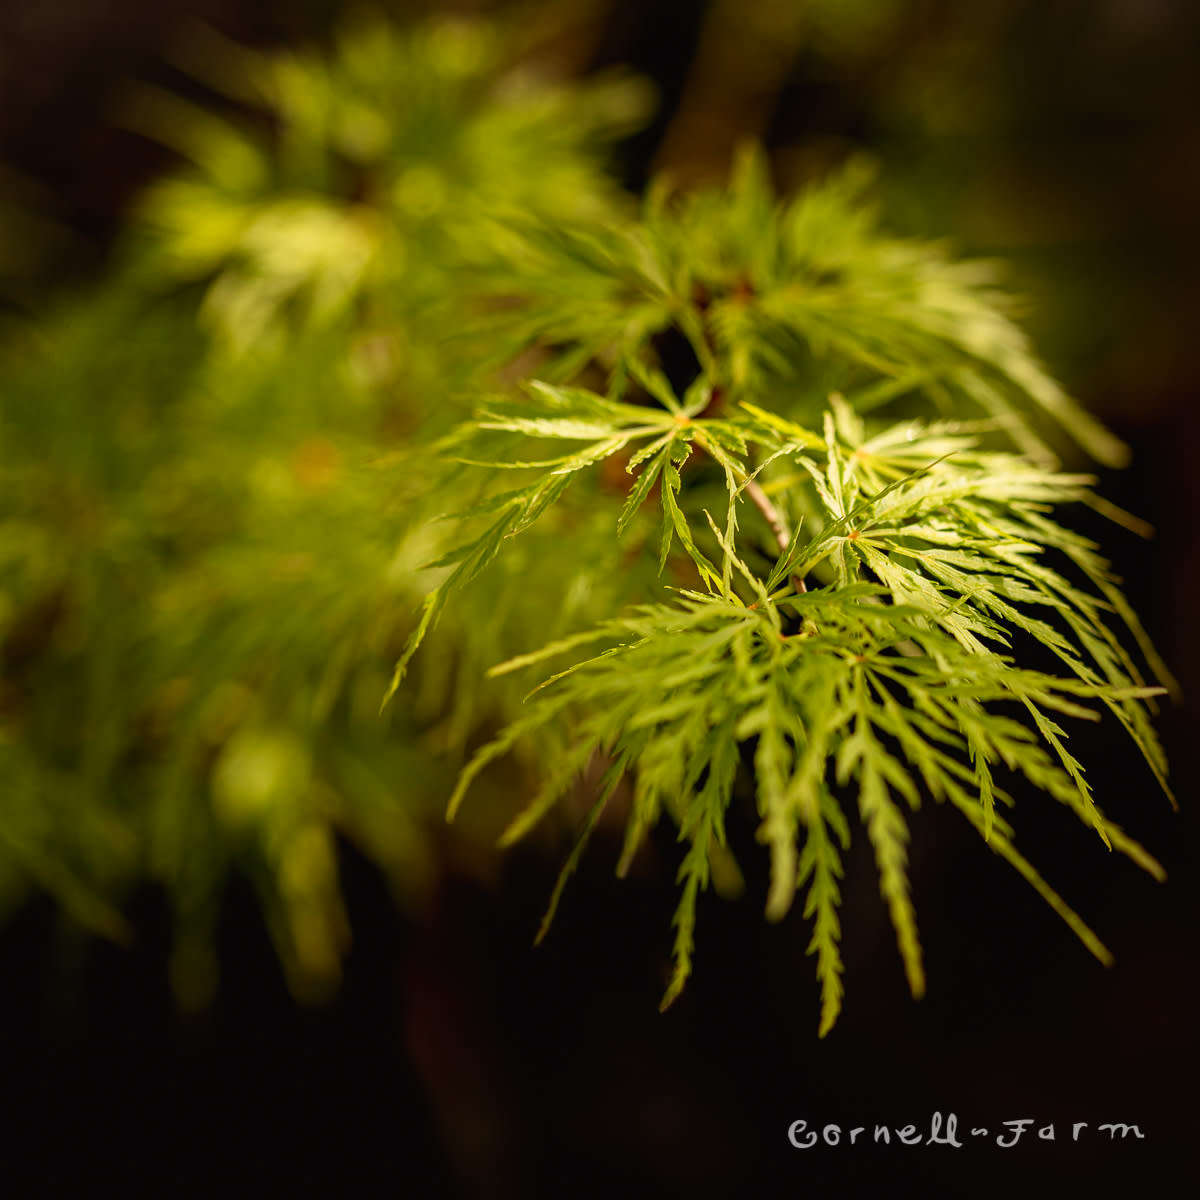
365,175
784,301
894,680
857,616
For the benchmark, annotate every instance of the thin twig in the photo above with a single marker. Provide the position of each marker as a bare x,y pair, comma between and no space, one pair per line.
775,519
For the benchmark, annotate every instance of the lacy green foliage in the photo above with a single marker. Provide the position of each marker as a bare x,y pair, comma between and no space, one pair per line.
774,297
821,706
853,636
753,452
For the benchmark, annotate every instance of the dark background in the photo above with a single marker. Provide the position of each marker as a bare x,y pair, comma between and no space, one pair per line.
457,1061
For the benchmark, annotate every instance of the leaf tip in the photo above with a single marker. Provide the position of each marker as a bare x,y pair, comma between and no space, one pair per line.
674,989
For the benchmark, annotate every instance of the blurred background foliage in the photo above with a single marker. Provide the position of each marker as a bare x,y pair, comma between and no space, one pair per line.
239,247
210,475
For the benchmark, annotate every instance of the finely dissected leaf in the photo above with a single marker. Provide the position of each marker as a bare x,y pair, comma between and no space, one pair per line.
886,827
702,824
773,768
821,867
612,779
645,480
